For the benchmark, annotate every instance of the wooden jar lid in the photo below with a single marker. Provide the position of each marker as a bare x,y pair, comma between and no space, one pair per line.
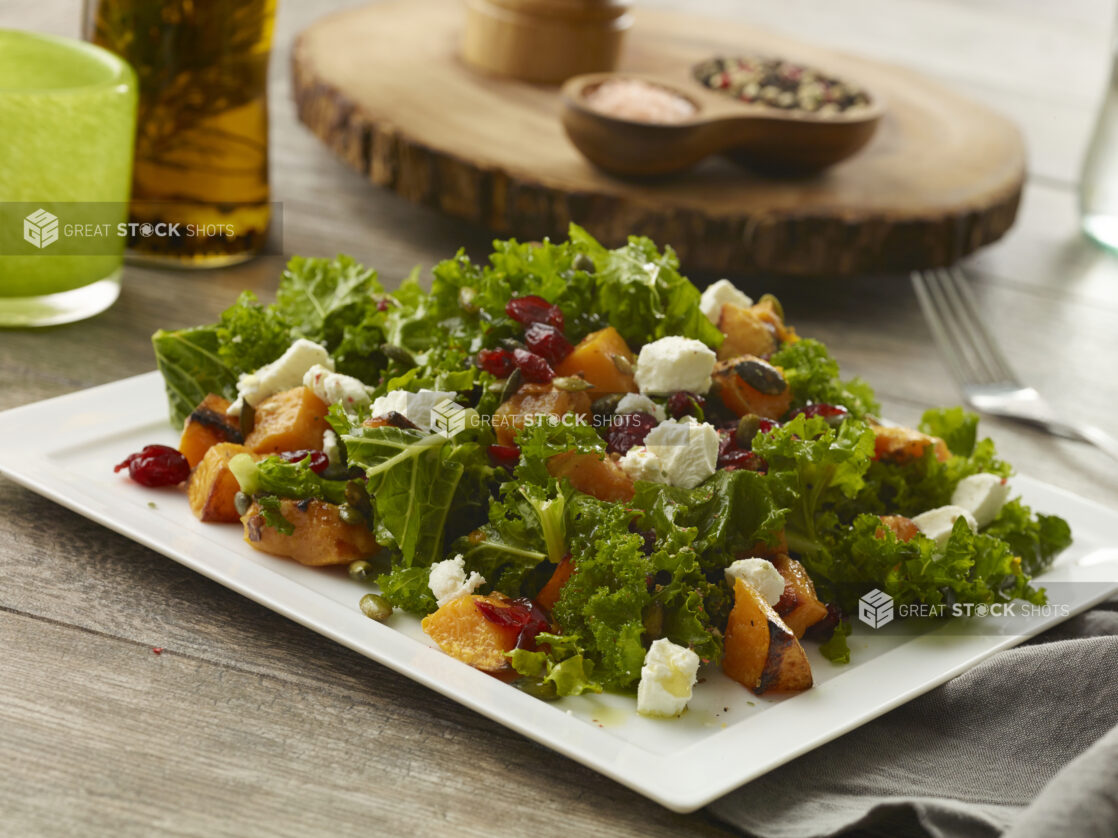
544,41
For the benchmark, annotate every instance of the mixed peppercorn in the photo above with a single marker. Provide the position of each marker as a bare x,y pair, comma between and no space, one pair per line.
781,84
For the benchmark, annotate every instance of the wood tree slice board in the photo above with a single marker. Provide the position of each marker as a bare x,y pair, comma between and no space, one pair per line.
383,87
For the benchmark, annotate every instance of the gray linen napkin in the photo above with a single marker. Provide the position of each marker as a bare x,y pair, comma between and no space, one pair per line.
1024,745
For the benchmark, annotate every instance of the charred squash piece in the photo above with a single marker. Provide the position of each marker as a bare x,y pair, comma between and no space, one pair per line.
799,605
599,476
320,537
748,384
549,595
206,426
212,486
761,651
536,400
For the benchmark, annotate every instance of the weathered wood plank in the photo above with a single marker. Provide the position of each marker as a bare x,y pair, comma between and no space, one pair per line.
125,742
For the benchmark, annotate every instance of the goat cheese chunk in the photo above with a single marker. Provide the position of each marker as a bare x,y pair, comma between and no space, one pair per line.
717,295
937,523
761,574
672,364
285,372
448,581
668,674
336,388
636,403
641,464
982,495
415,407
687,450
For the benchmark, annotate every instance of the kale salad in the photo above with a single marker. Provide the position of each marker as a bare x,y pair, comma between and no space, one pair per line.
583,472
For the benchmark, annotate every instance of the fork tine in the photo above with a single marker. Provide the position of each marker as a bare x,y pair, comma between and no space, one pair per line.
955,344
921,282
978,372
983,340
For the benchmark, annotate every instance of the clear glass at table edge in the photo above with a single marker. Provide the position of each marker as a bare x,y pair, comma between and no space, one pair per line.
1098,182
67,120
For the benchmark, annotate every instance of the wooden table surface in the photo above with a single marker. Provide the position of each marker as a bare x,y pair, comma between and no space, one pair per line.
250,724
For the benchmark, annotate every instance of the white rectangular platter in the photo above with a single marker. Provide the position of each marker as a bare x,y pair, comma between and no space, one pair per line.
65,449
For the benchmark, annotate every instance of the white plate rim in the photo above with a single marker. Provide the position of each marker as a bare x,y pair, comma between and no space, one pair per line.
34,437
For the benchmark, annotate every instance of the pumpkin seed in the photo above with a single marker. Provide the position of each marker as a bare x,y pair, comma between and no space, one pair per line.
606,405
512,385
360,570
584,263
357,497
350,514
762,377
242,502
397,353
572,383
512,344
248,419
776,306
375,607
623,364
748,427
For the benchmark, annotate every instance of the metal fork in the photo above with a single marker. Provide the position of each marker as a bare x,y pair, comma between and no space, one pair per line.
978,365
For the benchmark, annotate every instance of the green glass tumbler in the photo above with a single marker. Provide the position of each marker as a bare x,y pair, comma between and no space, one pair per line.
67,121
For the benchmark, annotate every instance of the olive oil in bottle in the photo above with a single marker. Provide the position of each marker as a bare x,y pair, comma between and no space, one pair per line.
200,181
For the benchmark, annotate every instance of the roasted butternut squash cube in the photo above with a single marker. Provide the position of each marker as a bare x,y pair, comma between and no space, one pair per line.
595,475
799,605
761,651
747,333
464,632
902,445
748,384
289,421
604,359
536,400
206,426
319,536
549,594
212,486
903,528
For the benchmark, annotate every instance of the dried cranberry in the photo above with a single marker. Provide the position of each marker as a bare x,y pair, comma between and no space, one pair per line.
826,627
522,614
732,457
319,460
649,536
398,420
833,413
504,456
382,304
533,309
534,367
627,430
544,339
156,465
683,403
498,362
